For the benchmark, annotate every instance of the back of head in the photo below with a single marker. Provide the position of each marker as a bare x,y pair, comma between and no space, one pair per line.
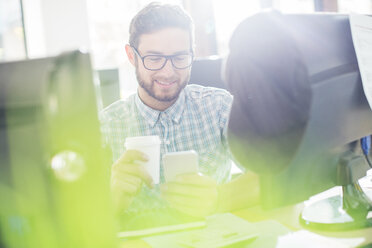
272,94
156,16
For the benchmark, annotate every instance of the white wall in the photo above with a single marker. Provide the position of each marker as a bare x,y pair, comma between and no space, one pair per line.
54,26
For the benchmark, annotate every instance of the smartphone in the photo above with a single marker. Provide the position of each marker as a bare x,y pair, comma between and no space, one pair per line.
177,163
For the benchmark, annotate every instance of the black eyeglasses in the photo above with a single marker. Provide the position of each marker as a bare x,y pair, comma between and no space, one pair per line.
157,62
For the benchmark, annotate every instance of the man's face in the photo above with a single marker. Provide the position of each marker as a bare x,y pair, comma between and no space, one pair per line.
162,86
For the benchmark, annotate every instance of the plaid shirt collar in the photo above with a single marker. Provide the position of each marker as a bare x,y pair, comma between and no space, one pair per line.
152,116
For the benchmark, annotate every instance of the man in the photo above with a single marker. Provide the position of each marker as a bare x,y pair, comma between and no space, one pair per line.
185,117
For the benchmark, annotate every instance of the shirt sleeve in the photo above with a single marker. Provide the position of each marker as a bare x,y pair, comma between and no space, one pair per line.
225,109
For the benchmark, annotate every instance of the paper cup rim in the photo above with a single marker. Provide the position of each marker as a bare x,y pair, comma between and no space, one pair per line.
143,140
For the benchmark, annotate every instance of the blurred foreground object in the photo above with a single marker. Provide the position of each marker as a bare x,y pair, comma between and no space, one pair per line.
298,108
54,179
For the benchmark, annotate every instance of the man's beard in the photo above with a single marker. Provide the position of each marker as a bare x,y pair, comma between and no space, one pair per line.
149,88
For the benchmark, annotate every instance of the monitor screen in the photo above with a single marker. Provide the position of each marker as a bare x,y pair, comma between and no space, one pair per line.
54,178
312,113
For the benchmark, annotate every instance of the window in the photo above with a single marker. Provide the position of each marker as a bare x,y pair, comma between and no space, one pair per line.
12,46
294,6
228,14
352,6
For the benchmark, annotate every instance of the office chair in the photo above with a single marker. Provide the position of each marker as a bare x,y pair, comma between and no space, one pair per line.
207,72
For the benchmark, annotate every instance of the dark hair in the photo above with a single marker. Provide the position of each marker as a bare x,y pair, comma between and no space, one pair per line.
272,94
156,16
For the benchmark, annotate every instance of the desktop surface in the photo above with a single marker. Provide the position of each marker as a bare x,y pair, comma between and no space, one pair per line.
156,221
280,227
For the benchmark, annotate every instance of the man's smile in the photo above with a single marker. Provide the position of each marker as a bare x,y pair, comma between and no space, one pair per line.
165,84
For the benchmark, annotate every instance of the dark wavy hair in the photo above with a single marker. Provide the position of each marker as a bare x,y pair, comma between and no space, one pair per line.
156,16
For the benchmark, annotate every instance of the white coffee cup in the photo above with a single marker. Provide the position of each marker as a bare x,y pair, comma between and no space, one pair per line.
149,145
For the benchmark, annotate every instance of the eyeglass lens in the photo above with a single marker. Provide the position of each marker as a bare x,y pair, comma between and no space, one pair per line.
156,62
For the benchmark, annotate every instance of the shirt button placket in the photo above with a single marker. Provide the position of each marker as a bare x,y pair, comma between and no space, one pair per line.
165,129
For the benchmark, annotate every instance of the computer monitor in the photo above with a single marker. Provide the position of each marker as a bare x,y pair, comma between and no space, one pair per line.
54,178
299,109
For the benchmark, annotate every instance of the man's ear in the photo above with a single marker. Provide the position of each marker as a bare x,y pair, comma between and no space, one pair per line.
130,54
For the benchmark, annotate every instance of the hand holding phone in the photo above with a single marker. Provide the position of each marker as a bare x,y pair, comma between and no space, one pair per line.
185,189
177,163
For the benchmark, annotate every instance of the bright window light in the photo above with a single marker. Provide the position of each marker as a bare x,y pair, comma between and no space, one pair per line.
228,14
352,6
294,6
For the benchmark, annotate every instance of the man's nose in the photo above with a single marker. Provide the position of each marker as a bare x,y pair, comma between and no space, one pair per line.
168,67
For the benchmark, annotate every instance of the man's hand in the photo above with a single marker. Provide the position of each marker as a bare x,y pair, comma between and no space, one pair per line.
127,178
241,192
192,194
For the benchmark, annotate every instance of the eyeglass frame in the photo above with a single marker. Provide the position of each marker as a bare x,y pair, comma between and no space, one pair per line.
167,57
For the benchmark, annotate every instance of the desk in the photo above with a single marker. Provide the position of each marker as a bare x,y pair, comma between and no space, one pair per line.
289,217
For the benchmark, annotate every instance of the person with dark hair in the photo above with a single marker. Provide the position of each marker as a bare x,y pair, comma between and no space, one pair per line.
185,117
272,94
